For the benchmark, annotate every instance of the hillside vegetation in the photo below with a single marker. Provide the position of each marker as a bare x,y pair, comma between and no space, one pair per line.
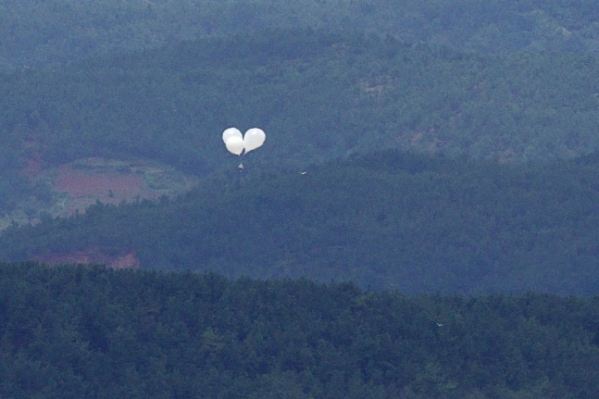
386,220
317,95
83,332
423,217
37,33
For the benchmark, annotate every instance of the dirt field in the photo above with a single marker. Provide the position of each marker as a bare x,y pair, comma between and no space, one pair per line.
77,185
83,187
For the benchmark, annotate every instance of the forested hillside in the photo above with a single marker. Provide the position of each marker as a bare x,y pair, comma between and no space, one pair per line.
317,95
423,217
87,332
386,220
37,33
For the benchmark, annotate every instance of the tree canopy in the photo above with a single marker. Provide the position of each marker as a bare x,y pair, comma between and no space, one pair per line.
73,332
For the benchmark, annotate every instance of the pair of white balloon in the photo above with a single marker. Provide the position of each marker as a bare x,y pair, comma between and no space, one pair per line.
238,144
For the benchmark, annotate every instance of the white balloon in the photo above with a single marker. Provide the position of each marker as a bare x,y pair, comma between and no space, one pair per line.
231,132
253,139
235,145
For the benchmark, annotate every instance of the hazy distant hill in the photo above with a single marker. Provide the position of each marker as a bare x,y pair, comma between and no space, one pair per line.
321,96
317,95
387,220
38,33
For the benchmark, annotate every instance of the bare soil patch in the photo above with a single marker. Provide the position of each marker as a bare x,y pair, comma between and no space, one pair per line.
91,256
84,188
84,182
77,185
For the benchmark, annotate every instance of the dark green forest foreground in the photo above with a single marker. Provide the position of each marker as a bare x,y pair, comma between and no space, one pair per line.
387,220
317,96
37,33
90,332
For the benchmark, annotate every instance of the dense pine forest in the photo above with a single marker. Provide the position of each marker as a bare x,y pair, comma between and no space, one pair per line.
83,332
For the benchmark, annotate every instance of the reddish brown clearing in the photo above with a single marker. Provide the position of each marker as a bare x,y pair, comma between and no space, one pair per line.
84,189
92,255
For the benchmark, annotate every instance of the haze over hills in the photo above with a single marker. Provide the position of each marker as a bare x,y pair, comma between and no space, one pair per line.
318,95
321,96
37,33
